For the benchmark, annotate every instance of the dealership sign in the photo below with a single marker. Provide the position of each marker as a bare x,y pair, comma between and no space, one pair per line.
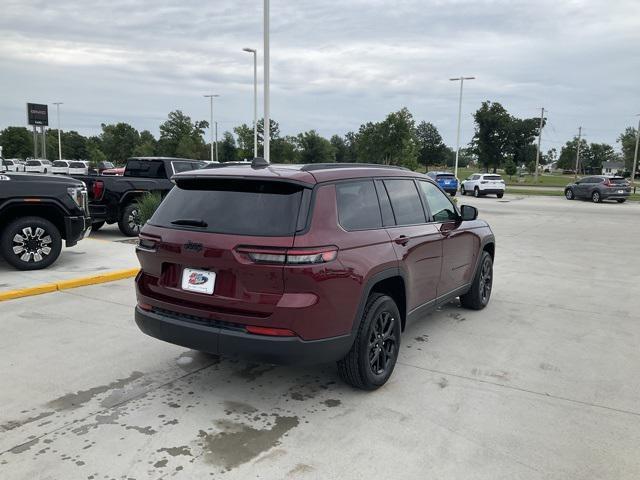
37,114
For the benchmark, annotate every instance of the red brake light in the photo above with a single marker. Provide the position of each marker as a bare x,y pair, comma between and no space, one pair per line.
291,256
97,189
271,332
145,306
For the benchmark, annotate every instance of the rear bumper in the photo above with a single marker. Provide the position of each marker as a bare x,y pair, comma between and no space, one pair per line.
229,341
485,191
614,195
98,212
76,228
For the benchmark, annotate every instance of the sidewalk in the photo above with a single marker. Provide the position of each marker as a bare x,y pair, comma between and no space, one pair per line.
90,261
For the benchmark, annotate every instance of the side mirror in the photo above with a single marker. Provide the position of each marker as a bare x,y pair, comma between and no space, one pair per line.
468,213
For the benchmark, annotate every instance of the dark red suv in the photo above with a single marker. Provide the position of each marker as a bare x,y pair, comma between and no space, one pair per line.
307,264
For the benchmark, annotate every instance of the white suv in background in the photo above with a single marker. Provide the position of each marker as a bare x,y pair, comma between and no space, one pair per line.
38,166
11,165
60,166
483,184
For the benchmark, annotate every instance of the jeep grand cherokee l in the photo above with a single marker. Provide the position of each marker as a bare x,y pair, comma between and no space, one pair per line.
307,264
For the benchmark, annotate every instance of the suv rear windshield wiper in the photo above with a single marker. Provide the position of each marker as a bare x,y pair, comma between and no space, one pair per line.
191,222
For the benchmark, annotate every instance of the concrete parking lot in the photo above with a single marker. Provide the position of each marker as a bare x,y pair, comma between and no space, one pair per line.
542,384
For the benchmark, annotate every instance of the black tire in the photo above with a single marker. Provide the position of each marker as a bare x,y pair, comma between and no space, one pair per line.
476,192
621,200
95,226
129,223
569,195
30,243
462,190
500,195
478,296
453,193
364,367
595,197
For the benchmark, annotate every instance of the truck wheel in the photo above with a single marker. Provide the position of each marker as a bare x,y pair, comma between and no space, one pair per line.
30,243
373,355
476,192
478,297
129,222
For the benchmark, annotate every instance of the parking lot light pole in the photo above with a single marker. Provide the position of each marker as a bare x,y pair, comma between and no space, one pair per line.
635,157
211,97
575,174
461,79
267,120
255,99
57,104
539,142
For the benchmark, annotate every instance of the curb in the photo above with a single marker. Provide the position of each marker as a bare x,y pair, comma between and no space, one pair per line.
67,284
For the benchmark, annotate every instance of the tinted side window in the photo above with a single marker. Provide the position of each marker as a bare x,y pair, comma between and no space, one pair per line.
145,168
385,205
442,209
182,166
358,207
405,202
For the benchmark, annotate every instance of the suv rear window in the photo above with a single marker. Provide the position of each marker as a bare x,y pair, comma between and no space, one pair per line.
492,177
145,168
59,163
618,181
358,207
231,206
77,165
33,163
446,176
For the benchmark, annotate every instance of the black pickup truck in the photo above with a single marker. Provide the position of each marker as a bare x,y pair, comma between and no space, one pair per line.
36,213
113,198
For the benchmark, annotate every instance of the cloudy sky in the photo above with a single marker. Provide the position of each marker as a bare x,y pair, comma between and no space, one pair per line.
335,64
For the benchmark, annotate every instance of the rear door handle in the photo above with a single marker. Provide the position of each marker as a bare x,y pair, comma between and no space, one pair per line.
402,240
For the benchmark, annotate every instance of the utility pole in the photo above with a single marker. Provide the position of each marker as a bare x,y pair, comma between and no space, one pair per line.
635,158
461,79
211,97
575,175
57,104
267,120
255,99
216,123
539,141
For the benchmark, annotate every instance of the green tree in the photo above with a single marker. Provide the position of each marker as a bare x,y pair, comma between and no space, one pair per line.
431,148
510,168
314,148
245,141
599,153
119,141
228,151
340,148
390,142
17,142
180,137
567,158
146,146
285,150
94,151
627,141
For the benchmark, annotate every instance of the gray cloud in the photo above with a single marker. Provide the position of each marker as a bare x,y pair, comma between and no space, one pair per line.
335,64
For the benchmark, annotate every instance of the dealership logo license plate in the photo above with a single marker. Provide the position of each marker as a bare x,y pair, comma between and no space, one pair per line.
201,281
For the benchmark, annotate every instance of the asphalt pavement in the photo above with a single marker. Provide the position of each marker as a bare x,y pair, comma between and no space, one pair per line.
542,384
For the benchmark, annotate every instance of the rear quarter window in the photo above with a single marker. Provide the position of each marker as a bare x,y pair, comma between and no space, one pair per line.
234,206
358,207
405,202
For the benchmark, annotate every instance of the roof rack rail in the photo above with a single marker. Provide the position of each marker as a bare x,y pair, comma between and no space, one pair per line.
324,166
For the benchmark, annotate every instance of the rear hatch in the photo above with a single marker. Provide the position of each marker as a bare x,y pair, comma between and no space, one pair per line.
447,180
494,181
617,185
209,248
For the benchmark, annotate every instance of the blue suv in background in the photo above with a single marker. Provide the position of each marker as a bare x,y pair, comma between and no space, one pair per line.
447,181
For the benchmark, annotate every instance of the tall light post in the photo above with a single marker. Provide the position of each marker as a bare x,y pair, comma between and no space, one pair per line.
267,120
211,97
255,99
57,104
461,79
635,156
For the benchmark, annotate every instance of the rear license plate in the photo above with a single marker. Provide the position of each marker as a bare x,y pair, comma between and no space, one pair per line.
201,281
620,191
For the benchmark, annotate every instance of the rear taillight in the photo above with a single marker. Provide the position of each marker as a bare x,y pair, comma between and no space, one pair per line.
147,244
290,256
268,331
97,189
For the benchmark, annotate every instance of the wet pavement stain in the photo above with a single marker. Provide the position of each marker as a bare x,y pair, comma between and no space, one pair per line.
443,383
24,447
160,463
238,443
176,451
456,316
11,424
299,469
254,371
422,338
332,402
75,400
